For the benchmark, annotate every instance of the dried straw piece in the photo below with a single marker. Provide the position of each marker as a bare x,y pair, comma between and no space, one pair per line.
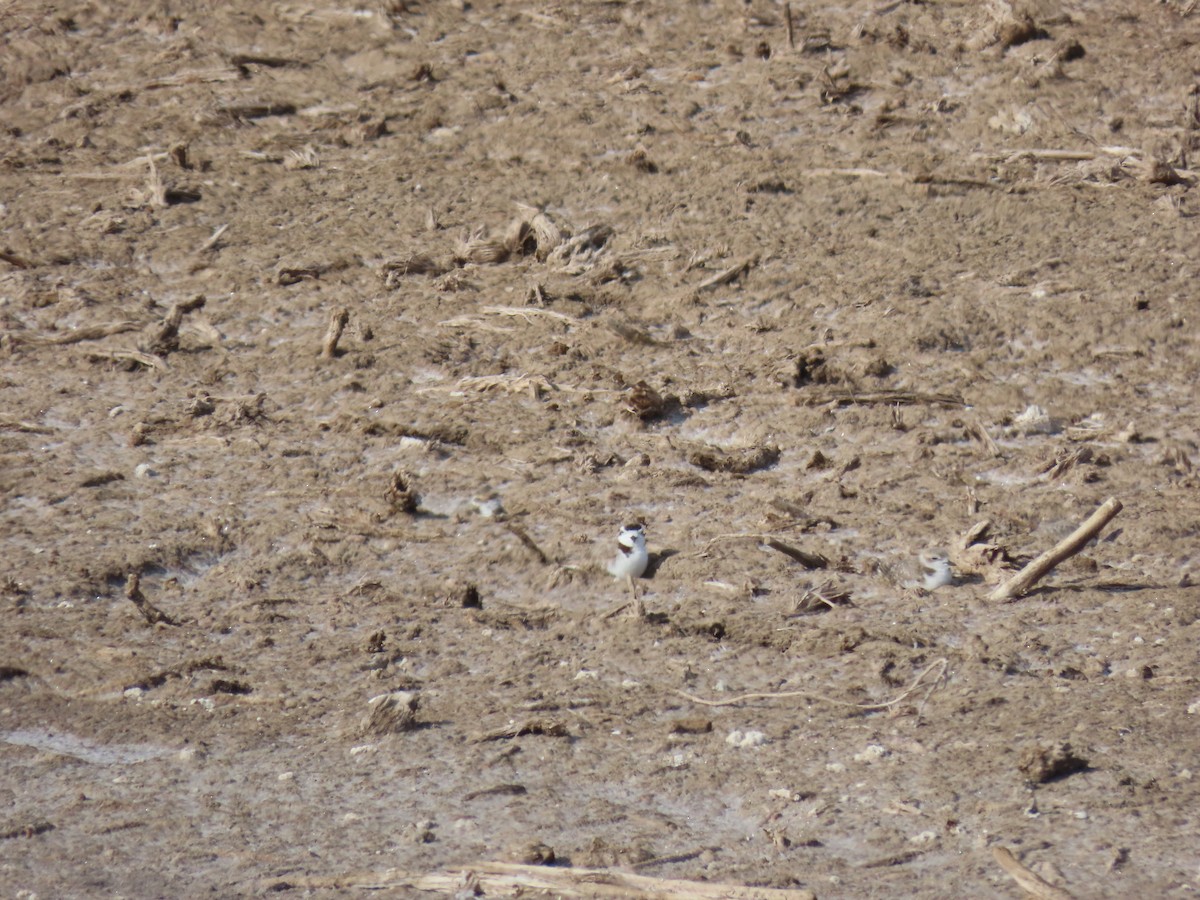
587,242
481,250
547,234
732,273
498,879
940,664
806,559
1032,884
547,727
86,333
534,385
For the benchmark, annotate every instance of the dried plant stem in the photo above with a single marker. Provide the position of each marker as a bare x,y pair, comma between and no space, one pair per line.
86,333
732,273
513,880
806,559
849,398
337,324
939,664
1064,549
1033,885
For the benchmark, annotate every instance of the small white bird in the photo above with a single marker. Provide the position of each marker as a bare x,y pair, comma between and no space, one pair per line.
935,568
631,559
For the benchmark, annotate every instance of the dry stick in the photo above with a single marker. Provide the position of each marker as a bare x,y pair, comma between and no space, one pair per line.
981,433
214,239
848,398
1064,549
515,880
337,324
725,276
523,536
674,858
791,32
806,559
1032,884
940,664
86,333
149,360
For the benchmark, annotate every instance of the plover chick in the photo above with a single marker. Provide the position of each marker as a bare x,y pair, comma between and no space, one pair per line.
488,506
631,559
935,569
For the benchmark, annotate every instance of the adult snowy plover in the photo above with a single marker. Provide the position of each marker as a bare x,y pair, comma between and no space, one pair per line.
631,559
935,569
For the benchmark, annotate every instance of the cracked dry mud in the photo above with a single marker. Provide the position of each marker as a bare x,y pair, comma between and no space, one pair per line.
356,332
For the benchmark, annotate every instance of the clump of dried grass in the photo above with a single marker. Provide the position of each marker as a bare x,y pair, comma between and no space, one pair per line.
532,233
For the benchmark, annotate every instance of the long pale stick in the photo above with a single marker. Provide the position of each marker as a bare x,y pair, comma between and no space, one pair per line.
1064,549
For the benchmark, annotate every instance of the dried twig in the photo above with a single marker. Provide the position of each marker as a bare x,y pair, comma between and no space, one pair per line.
1032,884
1058,155
977,428
521,535
820,599
214,239
7,424
547,727
939,664
725,276
338,321
1064,549
849,398
806,559
149,360
15,260
86,333
514,879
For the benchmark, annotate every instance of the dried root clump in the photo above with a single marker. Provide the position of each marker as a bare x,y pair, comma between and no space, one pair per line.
737,462
533,233
975,555
391,713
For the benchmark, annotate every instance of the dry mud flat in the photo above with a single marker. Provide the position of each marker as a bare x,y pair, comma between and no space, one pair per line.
290,292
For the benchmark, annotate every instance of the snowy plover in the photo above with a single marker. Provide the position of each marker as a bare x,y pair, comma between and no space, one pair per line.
631,559
488,506
935,569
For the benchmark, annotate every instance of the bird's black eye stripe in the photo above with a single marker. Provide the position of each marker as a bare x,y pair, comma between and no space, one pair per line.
637,526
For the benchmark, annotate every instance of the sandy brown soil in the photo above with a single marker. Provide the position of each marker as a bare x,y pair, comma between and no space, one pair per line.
608,261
